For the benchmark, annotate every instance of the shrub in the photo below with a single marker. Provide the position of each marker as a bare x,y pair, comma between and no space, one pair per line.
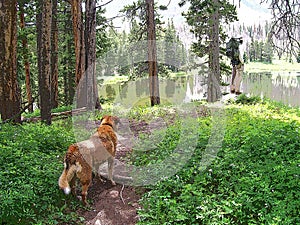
244,99
30,164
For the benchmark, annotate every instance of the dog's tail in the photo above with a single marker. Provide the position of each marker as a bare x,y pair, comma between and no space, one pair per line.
69,169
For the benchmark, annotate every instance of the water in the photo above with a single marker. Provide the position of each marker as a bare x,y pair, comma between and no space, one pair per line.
279,86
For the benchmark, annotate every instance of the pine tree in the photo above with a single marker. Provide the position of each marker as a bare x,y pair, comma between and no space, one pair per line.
205,17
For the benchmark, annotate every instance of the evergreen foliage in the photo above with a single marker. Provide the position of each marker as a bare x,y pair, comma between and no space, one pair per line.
126,56
198,18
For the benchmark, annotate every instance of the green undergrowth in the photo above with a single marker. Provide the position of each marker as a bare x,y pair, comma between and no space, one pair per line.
253,180
30,164
37,112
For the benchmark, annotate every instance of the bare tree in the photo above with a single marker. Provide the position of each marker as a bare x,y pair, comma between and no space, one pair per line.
285,25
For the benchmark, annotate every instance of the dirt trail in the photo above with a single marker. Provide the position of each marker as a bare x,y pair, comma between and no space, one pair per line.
114,205
111,205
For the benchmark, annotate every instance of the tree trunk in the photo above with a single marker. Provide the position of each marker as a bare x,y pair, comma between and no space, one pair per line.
26,60
10,97
213,86
45,61
67,59
54,56
78,32
70,75
152,55
39,44
90,45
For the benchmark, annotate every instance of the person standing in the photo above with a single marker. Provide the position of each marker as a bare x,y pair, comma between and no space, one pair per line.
237,62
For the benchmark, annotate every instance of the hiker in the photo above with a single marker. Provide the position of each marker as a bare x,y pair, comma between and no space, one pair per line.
237,62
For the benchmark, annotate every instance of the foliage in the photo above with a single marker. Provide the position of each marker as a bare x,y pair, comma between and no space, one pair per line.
198,18
254,179
30,164
127,55
244,99
260,52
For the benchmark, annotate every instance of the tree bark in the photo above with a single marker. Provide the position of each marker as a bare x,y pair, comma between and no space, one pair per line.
45,61
152,55
67,59
90,45
26,60
70,75
10,97
54,56
78,32
213,87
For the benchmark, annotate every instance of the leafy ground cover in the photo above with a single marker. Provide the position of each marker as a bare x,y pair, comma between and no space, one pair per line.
254,179
30,164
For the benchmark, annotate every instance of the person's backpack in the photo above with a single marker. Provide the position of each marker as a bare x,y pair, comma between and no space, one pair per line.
232,50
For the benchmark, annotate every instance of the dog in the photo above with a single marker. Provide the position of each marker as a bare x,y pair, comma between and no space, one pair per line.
82,157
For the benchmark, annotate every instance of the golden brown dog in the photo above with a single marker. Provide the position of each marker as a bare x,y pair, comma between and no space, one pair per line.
85,156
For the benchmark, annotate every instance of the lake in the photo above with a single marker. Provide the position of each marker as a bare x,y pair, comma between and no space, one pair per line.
279,86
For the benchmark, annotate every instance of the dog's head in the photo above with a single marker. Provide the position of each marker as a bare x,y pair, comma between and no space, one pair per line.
112,121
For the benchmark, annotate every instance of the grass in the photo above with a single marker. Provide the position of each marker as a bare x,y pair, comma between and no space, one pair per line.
276,66
115,79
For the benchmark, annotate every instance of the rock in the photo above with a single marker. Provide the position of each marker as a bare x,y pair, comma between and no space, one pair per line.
97,222
114,194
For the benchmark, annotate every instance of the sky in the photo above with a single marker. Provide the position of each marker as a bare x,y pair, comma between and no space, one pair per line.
249,11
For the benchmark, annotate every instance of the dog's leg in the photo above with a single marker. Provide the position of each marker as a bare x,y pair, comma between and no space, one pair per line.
110,163
85,187
73,185
96,173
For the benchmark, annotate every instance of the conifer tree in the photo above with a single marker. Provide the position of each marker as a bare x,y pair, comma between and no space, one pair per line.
206,18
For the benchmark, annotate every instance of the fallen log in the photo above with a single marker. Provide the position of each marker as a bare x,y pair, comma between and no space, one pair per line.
58,115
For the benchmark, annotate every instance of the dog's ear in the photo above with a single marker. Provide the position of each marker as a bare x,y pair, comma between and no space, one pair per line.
102,118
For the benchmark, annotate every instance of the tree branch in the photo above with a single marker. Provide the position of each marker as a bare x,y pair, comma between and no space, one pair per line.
100,6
